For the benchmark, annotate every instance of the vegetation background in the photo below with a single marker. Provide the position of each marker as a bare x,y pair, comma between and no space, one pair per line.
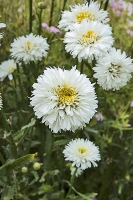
24,141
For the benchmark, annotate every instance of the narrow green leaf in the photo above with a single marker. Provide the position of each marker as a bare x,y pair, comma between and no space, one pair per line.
36,177
13,164
88,196
19,133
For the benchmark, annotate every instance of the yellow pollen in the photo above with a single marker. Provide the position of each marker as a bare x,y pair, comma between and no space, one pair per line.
84,15
13,67
66,94
114,69
82,149
28,45
89,38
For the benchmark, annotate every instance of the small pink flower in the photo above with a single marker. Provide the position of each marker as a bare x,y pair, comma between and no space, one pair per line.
129,32
45,26
131,103
51,28
55,30
99,117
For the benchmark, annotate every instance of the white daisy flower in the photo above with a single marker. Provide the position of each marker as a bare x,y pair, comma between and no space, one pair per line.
88,40
29,48
79,12
113,70
78,171
2,25
64,99
0,102
6,69
82,153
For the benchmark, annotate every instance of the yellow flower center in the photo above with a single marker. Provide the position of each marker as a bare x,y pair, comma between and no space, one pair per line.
84,15
114,69
66,95
82,150
13,67
89,38
28,45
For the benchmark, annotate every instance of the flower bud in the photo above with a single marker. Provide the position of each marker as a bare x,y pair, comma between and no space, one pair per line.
24,170
36,166
41,5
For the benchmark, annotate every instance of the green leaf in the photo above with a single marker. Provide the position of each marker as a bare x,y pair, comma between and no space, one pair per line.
45,188
8,193
19,134
6,134
36,177
60,142
87,196
48,143
13,164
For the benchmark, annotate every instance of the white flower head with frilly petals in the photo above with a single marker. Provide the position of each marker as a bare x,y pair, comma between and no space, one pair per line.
82,153
29,48
88,40
80,12
64,99
113,70
6,69
2,25
0,102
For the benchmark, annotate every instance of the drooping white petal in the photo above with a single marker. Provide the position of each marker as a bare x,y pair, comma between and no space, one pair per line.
6,69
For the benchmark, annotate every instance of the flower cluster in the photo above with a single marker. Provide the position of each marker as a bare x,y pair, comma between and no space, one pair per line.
88,36
120,6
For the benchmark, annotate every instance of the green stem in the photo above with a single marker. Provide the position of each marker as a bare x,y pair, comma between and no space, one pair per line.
15,184
40,22
4,121
13,147
63,7
30,16
82,67
2,159
51,13
106,5
24,135
15,87
71,182
21,87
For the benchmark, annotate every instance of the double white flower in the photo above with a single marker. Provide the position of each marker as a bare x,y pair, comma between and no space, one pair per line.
29,48
80,12
82,153
64,99
88,40
113,70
